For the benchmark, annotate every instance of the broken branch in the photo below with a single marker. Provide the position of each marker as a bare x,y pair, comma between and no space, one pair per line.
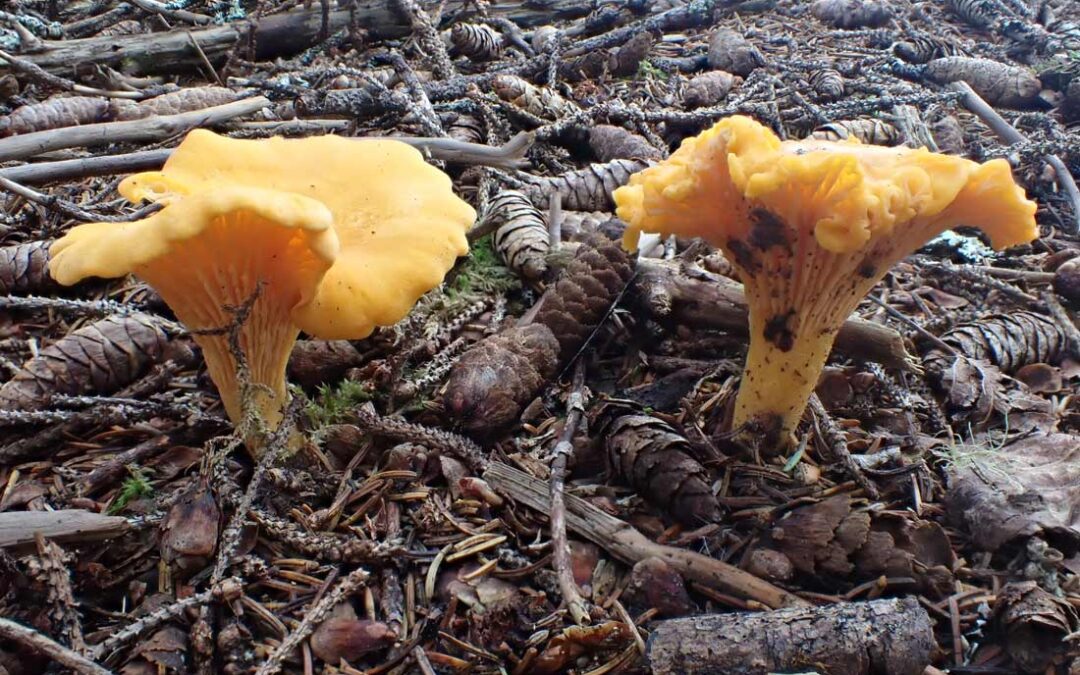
149,129
631,546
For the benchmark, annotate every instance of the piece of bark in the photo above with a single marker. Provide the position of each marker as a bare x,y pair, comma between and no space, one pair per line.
72,525
631,546
698,298
884,637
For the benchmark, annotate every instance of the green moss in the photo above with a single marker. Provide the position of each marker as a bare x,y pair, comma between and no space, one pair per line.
334,402
646,69
135,487
482,273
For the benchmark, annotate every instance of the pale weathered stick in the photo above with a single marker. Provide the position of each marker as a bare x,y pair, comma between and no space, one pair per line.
631,546
12,632
508,155
68,169
135,131
33,71
17,528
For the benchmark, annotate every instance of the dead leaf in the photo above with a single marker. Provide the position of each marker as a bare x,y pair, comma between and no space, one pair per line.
1030,487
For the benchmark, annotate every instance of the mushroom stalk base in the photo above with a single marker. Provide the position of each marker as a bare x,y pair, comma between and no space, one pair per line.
780,375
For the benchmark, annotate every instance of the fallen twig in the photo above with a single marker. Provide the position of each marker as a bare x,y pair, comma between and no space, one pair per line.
436,439
35,72
37,642
157,128
226,589
575,406
830,433
70,209
509,155
18,528
67,169
631,546
893,637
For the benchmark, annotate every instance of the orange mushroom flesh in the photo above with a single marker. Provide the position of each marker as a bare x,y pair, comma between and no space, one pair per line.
331,236
811,226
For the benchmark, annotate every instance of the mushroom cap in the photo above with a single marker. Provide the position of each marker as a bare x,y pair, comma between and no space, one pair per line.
376,226
845,194
811,226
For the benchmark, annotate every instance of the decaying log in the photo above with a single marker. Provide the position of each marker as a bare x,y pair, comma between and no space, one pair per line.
699,298
276,35
887,637
630,546
17,528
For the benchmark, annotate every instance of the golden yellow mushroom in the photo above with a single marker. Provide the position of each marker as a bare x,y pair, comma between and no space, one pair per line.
811,227
342,235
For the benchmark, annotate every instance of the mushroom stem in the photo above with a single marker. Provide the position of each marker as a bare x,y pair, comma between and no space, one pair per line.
765,411
205,294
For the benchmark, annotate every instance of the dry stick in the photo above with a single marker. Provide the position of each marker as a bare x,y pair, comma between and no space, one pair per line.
429,119
938,342
111,470
346,587
1008,133
429,38
157,128
510,155
70,209
555,221
630,546
155,7
830,433
68,169
276,35
31,639
18,528
561,547
38,74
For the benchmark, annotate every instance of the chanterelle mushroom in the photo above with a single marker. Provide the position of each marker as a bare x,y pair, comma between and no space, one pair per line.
811,226
343,235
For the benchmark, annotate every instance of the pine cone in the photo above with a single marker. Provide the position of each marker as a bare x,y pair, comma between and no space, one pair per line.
578,301
497,377
655,460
